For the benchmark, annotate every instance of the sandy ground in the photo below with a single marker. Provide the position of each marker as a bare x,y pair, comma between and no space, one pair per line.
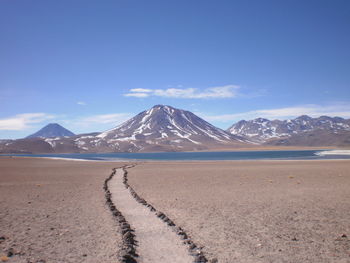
54,211
156,241
240,211
255,211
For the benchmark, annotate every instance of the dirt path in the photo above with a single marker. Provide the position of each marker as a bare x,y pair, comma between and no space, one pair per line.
156,242
267,211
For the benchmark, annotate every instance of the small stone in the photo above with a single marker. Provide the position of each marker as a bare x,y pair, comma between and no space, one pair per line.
193,246
129,259
84,255
4,258
128,235
344,236
10,252
200,259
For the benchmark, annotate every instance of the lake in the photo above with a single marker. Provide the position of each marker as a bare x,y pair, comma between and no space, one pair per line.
234,155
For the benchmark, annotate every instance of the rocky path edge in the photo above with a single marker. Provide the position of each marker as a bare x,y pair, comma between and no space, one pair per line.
129,251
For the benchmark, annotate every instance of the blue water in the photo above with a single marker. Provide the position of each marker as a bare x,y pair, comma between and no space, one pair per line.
239,155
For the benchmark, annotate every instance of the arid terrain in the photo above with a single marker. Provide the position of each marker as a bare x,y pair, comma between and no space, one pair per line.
255,211
54,211
238,211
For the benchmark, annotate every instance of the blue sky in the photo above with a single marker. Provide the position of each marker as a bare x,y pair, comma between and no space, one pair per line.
90,65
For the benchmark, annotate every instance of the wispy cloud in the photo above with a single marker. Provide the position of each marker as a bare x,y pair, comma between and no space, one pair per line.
137,95
228,91
141,90
23,121
82,103
338,109
114,118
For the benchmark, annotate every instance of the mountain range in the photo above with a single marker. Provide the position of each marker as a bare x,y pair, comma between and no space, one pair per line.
301,131
164,128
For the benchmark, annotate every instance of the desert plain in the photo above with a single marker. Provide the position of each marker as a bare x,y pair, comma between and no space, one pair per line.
54,211
237,211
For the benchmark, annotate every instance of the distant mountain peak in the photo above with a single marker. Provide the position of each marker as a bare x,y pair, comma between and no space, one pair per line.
261,120
163,128
162,106
51,130
166,119
304,117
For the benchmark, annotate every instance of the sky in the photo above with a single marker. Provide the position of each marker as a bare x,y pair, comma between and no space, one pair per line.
90,65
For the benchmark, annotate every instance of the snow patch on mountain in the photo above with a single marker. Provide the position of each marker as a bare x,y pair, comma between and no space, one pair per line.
261,130
162,126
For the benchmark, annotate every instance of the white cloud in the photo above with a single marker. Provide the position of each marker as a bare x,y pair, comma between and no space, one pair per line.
137,95
23,121
82,103
228,91
114,118
339,110
141,90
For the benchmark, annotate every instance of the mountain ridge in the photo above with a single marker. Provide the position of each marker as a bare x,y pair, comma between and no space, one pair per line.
261,130
163,128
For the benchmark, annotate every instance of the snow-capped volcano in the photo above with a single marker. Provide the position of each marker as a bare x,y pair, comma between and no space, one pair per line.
164,127
165,122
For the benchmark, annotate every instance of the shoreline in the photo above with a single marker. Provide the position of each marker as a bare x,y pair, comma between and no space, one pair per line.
126,160
248,149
